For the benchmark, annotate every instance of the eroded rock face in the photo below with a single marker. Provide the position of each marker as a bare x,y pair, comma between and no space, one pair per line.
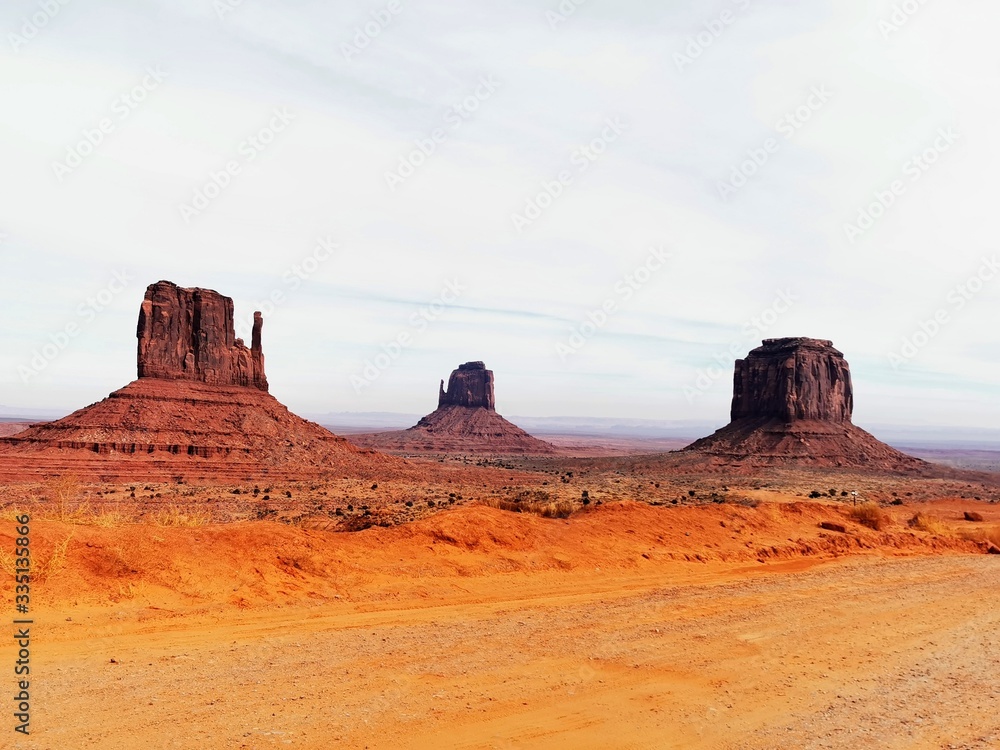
465,421
792,405
793,379
188,334
470,385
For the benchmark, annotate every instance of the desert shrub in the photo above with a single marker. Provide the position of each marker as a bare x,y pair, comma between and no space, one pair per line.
64,493
558,509
870,515
177,516
43,566
533,496
930,524
365,521
989,536
815,494
110,518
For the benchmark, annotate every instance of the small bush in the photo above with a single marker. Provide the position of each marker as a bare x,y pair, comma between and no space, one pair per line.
559,509
930,524
870,515
815,494
175,516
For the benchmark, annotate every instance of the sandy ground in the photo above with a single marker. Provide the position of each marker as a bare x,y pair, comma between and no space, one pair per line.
483,629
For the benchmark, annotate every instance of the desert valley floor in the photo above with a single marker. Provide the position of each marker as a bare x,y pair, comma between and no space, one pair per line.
727,619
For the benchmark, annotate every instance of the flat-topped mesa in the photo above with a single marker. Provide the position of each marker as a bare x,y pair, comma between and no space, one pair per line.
792,405
793,379
470,385
188,334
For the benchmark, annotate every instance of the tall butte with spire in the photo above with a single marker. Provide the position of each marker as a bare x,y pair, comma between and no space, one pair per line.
200,408
188,334
793,401
466,421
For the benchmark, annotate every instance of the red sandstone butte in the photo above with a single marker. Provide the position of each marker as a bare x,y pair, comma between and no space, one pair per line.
470,385
188,334
200,408
465,421
792,403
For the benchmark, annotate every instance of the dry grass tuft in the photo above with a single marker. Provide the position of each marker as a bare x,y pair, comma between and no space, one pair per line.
870,515
64,493
555,509
176,516
43,567
989,536
930,524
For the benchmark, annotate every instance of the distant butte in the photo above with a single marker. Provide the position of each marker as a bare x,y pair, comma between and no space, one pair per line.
470,385
199,409
465,421
792,404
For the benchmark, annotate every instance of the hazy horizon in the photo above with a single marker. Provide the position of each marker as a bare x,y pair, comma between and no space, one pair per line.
485,180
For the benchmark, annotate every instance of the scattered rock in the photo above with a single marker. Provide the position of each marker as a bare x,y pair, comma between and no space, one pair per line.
971,515
831,526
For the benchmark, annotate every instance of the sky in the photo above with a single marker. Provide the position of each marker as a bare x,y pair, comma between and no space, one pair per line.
607,202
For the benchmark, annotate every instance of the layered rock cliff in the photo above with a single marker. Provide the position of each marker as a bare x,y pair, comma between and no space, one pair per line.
792,404
465,421
470,385
188,334
793,378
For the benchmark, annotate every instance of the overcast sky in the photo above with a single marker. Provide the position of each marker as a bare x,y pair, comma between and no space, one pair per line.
699,169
